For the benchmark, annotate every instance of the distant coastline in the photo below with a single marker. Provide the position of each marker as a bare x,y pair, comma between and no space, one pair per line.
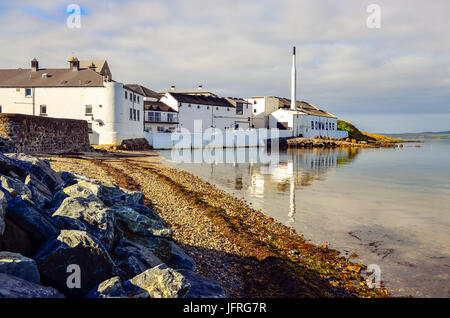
422,135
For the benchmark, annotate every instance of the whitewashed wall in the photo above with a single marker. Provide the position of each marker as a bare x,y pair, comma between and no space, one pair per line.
110,111
211,139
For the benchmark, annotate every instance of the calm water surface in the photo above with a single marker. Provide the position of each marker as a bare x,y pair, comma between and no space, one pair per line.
389,206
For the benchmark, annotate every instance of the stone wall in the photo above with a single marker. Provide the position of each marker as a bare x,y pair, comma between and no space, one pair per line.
37,134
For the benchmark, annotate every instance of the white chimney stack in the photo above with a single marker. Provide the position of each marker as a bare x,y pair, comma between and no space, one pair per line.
293,82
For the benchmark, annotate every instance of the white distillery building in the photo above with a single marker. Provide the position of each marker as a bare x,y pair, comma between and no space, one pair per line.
212,111
306,120
85,90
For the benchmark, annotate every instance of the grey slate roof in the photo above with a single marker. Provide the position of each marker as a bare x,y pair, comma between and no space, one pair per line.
202,100
144,91
55,78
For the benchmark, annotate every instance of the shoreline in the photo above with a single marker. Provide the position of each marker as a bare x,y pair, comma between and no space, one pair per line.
250,254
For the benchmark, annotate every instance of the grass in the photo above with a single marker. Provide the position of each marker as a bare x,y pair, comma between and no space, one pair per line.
355,133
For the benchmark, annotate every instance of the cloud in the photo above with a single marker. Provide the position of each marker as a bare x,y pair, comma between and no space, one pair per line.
242,48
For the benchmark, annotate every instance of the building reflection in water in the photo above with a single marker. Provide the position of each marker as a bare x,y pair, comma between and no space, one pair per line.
294,169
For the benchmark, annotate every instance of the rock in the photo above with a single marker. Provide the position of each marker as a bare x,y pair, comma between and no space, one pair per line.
77,190
38,225
201,287
15,187
112,194
134,259
179,259
74,247
20,266
41,194
87,214
144,210
157,282
15,287
160,247
111,288
38,167
138,223
16,240
2,213
130,267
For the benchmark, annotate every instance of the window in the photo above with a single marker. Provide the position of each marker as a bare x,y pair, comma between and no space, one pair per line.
0,108
188,105
207,107
131,113
255,102
217,108
198,106
134,114
239,108
181,104
131,96
170,118
138,115
312,124
160,129
254,110
90,128
43,110
28,92
126,95
88,110
228,109
138,99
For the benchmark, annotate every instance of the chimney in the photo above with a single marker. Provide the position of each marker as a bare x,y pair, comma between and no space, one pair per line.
293,82
200,87
34,65
172,88
92,66
74,64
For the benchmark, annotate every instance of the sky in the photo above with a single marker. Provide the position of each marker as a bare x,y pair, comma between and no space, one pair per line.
395,78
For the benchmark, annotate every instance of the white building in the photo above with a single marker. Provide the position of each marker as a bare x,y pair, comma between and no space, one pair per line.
84,90
307,121
159,117
212,111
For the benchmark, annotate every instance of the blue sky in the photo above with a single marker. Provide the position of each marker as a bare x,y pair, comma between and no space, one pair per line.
392,79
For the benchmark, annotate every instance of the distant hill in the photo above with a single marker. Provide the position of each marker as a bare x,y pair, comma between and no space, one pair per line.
355,133
423,135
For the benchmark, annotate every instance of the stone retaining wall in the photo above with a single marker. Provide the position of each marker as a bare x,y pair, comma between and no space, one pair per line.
35,134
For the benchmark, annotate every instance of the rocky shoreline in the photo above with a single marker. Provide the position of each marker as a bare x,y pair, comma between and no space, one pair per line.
326,142
249,254
65,235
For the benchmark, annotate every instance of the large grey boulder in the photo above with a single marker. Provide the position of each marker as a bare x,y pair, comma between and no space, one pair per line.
16,240
157,282
133,259
34,222
41,194
111,194
202,287
87,214
40,168
15,187
20,266
2,213
179,259
110,288
15,287
79,248
141,224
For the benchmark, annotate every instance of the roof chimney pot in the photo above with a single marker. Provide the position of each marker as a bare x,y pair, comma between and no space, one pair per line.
34,65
